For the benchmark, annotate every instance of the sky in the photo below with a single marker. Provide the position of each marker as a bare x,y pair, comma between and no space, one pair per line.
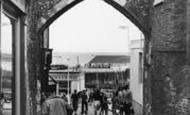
92,26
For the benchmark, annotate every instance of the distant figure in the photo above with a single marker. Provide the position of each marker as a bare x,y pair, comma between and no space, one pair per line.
104,104
114,103
74,100
54,105
2,100
97,98
128,106
43,97
64,97
84,97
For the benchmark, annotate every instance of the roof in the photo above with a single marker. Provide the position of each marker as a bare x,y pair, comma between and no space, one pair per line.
110,59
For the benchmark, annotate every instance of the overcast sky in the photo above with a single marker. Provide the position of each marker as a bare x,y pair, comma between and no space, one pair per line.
92,26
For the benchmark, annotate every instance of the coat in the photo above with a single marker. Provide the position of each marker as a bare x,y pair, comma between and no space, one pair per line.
55,106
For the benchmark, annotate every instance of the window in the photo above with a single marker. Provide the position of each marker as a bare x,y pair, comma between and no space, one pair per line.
140,67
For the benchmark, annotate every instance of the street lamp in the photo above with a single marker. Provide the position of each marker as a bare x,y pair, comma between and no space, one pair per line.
68,78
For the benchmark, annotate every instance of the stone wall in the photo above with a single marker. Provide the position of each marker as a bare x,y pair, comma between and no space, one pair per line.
169,73
136,10
32,54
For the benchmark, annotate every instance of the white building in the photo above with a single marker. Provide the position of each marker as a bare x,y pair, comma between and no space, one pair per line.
136,72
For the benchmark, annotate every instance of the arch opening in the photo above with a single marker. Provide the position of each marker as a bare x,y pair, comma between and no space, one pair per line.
112,3
138,53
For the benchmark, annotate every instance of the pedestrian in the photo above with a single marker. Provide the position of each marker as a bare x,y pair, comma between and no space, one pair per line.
104,104
113,101
84,97
55,105
128,106
43,97
74,100
64,97
97,99
90,97
120,100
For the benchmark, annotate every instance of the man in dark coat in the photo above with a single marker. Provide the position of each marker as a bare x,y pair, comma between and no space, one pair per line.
74,99
84,97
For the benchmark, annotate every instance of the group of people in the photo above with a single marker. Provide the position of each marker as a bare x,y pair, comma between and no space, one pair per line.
56,105
121,102
98,98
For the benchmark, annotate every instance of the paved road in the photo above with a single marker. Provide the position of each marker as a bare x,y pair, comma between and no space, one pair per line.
90,110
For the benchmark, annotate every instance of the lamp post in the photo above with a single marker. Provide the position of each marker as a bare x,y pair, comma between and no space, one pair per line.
68,84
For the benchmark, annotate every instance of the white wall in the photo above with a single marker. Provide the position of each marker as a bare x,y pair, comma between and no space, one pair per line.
75,86
135,85
78,84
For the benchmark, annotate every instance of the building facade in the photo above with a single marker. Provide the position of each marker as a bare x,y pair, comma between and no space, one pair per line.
107,72
136,73
67,80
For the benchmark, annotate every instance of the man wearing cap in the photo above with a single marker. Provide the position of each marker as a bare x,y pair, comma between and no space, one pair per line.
54,105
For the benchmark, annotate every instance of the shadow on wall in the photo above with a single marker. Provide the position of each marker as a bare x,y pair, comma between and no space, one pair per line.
138,108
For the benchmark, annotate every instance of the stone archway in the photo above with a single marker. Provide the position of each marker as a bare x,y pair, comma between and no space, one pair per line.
135,10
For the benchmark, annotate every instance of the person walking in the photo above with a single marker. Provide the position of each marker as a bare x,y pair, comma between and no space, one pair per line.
84,97
97,98
54,105
128,106
114,103
74,100
104,104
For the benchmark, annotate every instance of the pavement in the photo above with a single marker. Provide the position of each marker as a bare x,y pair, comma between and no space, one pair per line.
90,110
